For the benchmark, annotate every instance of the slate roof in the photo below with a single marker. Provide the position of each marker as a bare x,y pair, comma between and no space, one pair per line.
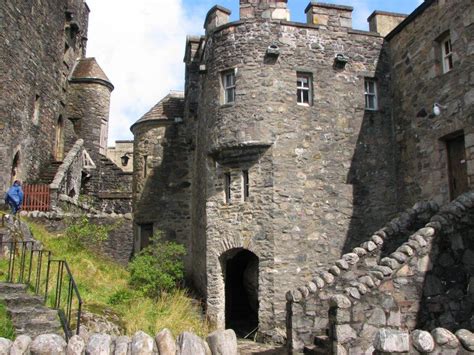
168,108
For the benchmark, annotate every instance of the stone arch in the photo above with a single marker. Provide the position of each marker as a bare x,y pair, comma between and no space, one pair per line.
59,141
240,269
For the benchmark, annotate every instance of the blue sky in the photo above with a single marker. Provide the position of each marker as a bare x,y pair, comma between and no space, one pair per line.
140,45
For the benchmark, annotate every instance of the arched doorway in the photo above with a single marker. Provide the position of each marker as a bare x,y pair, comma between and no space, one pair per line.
59,143
241,291
15,172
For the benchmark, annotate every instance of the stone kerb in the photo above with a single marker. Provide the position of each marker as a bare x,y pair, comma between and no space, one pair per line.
308,305
222,342
69,172
362,309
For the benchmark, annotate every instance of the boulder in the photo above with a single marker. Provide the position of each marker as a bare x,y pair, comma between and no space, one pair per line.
394,341
466,338
445,338
76,346
165,342
191,344
21,345
122,346
142,344
48,344
422,341
99,344
5,346
223,342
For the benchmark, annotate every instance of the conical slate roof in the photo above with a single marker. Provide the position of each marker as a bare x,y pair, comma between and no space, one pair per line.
168,108
88,70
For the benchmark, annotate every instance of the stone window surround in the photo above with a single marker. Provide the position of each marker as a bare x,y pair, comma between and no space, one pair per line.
369,93
444,62
301,88
236,185
228,86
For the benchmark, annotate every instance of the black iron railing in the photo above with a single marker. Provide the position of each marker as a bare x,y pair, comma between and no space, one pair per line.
28,263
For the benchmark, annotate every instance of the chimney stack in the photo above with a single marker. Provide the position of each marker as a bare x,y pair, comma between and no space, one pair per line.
384,22
266,9
217,16
329,15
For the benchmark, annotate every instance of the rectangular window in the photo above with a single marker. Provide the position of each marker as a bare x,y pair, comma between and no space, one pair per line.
447,52
228,83
104,127
370,95
227,188
245,185
303,89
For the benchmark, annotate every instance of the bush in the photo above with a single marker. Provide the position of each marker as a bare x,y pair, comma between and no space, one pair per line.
83,232
157,268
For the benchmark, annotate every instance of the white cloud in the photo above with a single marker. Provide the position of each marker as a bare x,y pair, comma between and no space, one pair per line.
140,46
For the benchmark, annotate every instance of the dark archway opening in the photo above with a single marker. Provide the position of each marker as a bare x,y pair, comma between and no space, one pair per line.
241,292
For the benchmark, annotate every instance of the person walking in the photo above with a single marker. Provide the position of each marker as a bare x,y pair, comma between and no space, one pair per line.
14,197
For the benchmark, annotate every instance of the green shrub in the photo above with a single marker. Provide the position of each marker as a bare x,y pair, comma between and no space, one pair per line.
121,296
82,232
157,268
6,327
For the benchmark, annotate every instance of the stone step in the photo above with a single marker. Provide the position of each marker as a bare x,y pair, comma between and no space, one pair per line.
8,288
27,314
21,300
36,328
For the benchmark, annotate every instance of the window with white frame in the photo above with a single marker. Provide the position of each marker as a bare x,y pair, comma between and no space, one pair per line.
447,54
228,84
370,94
303,89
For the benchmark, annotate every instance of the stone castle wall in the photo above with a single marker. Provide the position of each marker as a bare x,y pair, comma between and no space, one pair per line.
418,83
320,176
34,63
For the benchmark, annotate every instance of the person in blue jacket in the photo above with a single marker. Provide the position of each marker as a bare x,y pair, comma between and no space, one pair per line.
14,197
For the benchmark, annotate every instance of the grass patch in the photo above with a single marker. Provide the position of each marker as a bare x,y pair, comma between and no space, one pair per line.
104,288
6,325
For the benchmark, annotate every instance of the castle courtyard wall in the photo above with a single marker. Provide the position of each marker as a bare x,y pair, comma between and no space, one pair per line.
33,62
418,83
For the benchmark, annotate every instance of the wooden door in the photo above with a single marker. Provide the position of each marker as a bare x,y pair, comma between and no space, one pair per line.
458,182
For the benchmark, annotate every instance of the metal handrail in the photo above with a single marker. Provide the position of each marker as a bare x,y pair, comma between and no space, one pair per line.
26,265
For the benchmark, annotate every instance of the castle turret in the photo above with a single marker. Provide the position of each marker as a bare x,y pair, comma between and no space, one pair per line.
89,104
266,9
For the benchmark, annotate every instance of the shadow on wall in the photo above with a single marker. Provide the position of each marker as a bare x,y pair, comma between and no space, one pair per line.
373,169
448,289
164,200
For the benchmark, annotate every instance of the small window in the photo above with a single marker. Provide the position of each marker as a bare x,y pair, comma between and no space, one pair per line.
228,83
245,185
145,165
227,188
303,89
103,137
371,95
447,54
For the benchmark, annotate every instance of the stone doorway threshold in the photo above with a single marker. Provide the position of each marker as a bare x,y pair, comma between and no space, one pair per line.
248,347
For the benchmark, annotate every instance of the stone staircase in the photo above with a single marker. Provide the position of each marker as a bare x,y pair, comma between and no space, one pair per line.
47,175
28,313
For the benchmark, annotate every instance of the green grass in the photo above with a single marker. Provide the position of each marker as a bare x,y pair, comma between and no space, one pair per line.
103,285
6,326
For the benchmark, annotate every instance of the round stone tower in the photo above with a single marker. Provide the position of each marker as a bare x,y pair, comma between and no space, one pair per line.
277,176
89,105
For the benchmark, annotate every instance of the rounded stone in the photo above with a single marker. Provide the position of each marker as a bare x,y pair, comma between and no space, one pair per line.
377,239
351,258
342,264
400,257
406,249
142,344
466,338
20,345
388,340
311,286
360,251
319,282
5,346
99,344
340,301
222,342
367,280
165,342
327,277
445,338
370,246
353,292
304,291
122,345
422,341
389,262
48,344
335,271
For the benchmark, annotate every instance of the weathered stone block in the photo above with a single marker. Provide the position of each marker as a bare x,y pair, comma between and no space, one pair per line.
392,341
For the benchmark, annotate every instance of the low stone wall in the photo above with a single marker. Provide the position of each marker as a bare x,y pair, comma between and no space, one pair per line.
217,343
68,178
426,282
308,306
439,342
119,245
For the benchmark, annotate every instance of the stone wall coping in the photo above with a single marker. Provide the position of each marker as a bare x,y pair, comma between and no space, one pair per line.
154,122
71,156
363,33
421,341
349,260
417,242
386,13
328,6
214,9
216,343
99,81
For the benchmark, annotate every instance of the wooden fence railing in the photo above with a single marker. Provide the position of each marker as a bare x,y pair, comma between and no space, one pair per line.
37,198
